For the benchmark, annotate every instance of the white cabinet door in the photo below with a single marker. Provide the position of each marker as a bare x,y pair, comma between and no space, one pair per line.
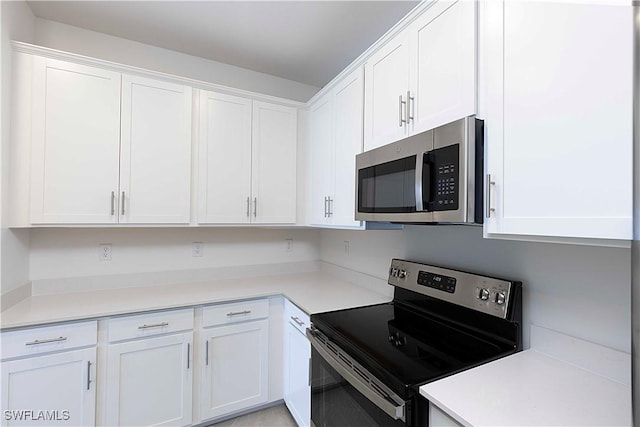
321,160
273,178
443,65
54,390
297,388
75,143
559,117
224,159
235,373
149,381
386,86
348,110
155,156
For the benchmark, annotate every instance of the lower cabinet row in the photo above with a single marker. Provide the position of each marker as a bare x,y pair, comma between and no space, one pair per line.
176,367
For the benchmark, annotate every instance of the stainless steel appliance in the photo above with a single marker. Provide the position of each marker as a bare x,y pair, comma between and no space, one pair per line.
367,363
432,177
635,248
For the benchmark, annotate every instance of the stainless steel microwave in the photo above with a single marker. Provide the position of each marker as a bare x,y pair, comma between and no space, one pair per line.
432,177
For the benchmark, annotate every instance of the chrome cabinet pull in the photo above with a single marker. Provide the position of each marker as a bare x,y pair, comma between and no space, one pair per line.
88,375
330,204
400,103
489,184
47,341
255,207
188,353
297,320
154,325
122,207
409,108
237,313
248,207
206,354
113,203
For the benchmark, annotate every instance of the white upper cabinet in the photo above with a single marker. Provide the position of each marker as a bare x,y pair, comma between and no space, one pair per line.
424,77
224,159
102,153
336,138
155,156
75,143
247,161
559,119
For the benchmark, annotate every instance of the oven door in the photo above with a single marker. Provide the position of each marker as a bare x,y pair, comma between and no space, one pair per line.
343,393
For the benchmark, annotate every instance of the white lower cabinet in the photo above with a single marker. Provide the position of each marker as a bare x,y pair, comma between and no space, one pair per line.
297,389
235,368
48,379
149,380
438,418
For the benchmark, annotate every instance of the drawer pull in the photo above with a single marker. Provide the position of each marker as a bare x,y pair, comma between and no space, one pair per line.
88,375
297,320
238,313
36,342
154,325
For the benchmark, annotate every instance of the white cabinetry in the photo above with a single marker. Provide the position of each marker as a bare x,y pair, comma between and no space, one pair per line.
424,76
247,165
558,119
235,369
297,360
48,375
438,418
150,374
86,168
336,138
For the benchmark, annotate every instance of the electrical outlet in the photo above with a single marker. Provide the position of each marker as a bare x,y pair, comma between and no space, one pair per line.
197,249
104,252
289,245
346,247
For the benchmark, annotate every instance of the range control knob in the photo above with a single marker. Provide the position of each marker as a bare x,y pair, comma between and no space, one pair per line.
402,274
483,294
500,298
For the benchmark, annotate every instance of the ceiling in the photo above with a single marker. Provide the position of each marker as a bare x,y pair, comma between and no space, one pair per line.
306,41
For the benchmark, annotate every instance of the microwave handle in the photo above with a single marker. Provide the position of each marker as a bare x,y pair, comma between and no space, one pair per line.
419,186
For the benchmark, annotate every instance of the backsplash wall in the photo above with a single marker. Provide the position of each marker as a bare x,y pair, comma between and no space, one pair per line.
583,291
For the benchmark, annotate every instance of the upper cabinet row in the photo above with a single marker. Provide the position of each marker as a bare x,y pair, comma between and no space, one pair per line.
96,146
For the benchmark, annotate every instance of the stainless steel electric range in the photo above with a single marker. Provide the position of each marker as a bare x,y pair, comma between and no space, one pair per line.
368,362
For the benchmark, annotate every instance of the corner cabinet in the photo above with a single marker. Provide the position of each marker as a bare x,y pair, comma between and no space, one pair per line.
336,138
247,161
423,77
107,147
559,119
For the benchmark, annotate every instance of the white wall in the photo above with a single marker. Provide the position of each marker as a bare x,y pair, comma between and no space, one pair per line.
583,291
98,45
18,23
68,253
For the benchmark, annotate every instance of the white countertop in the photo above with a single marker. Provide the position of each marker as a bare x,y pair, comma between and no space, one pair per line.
313,292
531,389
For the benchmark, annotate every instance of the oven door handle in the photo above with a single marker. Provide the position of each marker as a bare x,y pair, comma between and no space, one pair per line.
394,411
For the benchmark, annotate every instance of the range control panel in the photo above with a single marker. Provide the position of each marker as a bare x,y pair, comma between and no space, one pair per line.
481,293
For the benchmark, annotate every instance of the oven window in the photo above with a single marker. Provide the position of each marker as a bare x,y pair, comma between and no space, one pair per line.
335,403
388,187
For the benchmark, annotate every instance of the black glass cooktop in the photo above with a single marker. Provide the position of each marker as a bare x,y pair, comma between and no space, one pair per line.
404,347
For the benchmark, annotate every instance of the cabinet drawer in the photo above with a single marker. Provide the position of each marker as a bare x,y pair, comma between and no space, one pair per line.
235,312
296,317
150,324
35,341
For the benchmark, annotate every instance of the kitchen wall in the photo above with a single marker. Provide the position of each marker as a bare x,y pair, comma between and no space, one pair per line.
583,291
98,45
18,23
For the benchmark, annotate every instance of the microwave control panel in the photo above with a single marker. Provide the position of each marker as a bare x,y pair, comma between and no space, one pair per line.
444,178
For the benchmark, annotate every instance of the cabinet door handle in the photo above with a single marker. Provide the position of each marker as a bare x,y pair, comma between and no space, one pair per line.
400,103
237,313
47,341
248,207
154,325
489,184
122,207
409,107
88,375
330,211
206,354
297,320
188,354
113,203
255,207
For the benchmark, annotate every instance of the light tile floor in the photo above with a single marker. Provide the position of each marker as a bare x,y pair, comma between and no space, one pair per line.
275,416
